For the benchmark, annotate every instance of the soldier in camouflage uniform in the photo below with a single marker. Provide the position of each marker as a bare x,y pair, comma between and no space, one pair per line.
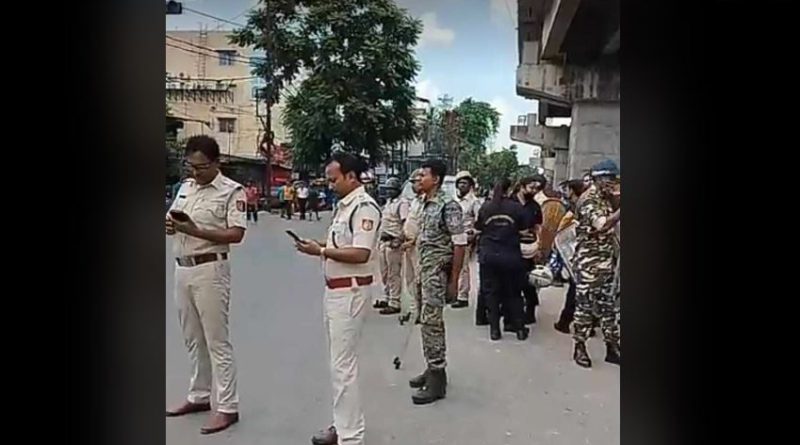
441,245
594,263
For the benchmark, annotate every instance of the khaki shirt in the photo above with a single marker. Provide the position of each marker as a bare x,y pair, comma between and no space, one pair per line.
395,212
360,209
220,204
411,226
470,205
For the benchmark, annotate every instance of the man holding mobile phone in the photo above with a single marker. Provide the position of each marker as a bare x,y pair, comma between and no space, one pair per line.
206,217
350,256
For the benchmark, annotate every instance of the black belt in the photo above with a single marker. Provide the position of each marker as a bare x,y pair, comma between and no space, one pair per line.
196,260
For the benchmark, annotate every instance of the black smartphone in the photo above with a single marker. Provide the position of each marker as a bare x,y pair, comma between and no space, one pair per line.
294,236
179,216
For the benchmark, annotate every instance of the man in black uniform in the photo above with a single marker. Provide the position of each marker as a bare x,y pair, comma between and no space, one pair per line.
501,221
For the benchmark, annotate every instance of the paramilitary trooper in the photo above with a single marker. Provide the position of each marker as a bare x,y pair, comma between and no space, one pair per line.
395,213
441,245
593,264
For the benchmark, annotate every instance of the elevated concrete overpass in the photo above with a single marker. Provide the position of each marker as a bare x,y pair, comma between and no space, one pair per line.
569,63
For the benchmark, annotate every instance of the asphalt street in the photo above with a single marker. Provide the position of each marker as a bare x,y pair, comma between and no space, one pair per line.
500,393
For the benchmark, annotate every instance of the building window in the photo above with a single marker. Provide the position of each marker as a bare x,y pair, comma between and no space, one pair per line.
227,125
226,57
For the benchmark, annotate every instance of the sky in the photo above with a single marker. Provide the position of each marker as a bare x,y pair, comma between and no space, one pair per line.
468,48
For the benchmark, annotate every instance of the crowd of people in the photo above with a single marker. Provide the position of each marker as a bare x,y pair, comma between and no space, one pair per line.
520,236
303,198
513,234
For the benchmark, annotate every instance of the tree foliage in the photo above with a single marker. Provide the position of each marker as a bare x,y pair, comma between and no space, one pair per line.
357,57
478,123
489,167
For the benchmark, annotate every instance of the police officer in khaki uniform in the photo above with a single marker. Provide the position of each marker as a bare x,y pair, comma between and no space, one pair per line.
470,205
410,234
395,213
208,214
350,256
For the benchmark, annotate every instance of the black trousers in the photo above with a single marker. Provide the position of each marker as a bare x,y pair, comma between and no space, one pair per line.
568,312
530,292
502,288
302,204
252,212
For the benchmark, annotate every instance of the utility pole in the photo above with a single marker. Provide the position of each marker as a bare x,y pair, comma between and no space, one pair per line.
268,137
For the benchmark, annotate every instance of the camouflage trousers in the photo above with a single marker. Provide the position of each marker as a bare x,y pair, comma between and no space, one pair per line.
433,289
596,297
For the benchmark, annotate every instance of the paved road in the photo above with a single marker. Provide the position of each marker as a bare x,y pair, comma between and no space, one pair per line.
500,393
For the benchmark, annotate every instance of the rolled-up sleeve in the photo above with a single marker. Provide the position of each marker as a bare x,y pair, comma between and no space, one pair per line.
365,226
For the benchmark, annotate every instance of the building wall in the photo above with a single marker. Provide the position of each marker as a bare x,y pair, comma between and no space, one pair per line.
594,135
192,61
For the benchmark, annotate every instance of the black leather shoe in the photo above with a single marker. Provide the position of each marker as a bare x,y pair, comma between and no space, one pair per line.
562,327
495,334
326,437
459,304
389,310
380,304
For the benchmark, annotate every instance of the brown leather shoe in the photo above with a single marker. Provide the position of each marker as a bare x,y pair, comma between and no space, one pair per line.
326,437
188,407
218,422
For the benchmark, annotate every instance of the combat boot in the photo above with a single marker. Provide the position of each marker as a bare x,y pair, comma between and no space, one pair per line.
580,355
419,381
562,327
434,389
613,353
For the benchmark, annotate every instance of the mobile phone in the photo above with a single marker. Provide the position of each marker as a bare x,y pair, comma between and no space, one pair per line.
294,236
179,215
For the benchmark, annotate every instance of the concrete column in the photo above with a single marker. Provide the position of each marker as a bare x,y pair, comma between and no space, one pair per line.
594,135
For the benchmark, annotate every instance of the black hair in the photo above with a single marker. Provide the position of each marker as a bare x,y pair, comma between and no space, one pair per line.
540,179
349,162
501,187
437,167
204,144
576,185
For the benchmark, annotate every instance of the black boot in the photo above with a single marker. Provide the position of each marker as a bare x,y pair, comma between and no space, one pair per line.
522,333
434,388
379,304
580,356
495,334
613,353
419,381
530,315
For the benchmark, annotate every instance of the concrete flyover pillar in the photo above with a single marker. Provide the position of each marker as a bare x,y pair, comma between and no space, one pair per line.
594,135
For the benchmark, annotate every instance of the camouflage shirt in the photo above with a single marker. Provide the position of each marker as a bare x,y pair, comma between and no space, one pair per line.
440,228
591,245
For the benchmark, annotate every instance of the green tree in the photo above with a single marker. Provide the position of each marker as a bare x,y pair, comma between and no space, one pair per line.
490,167
359,57
477,123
